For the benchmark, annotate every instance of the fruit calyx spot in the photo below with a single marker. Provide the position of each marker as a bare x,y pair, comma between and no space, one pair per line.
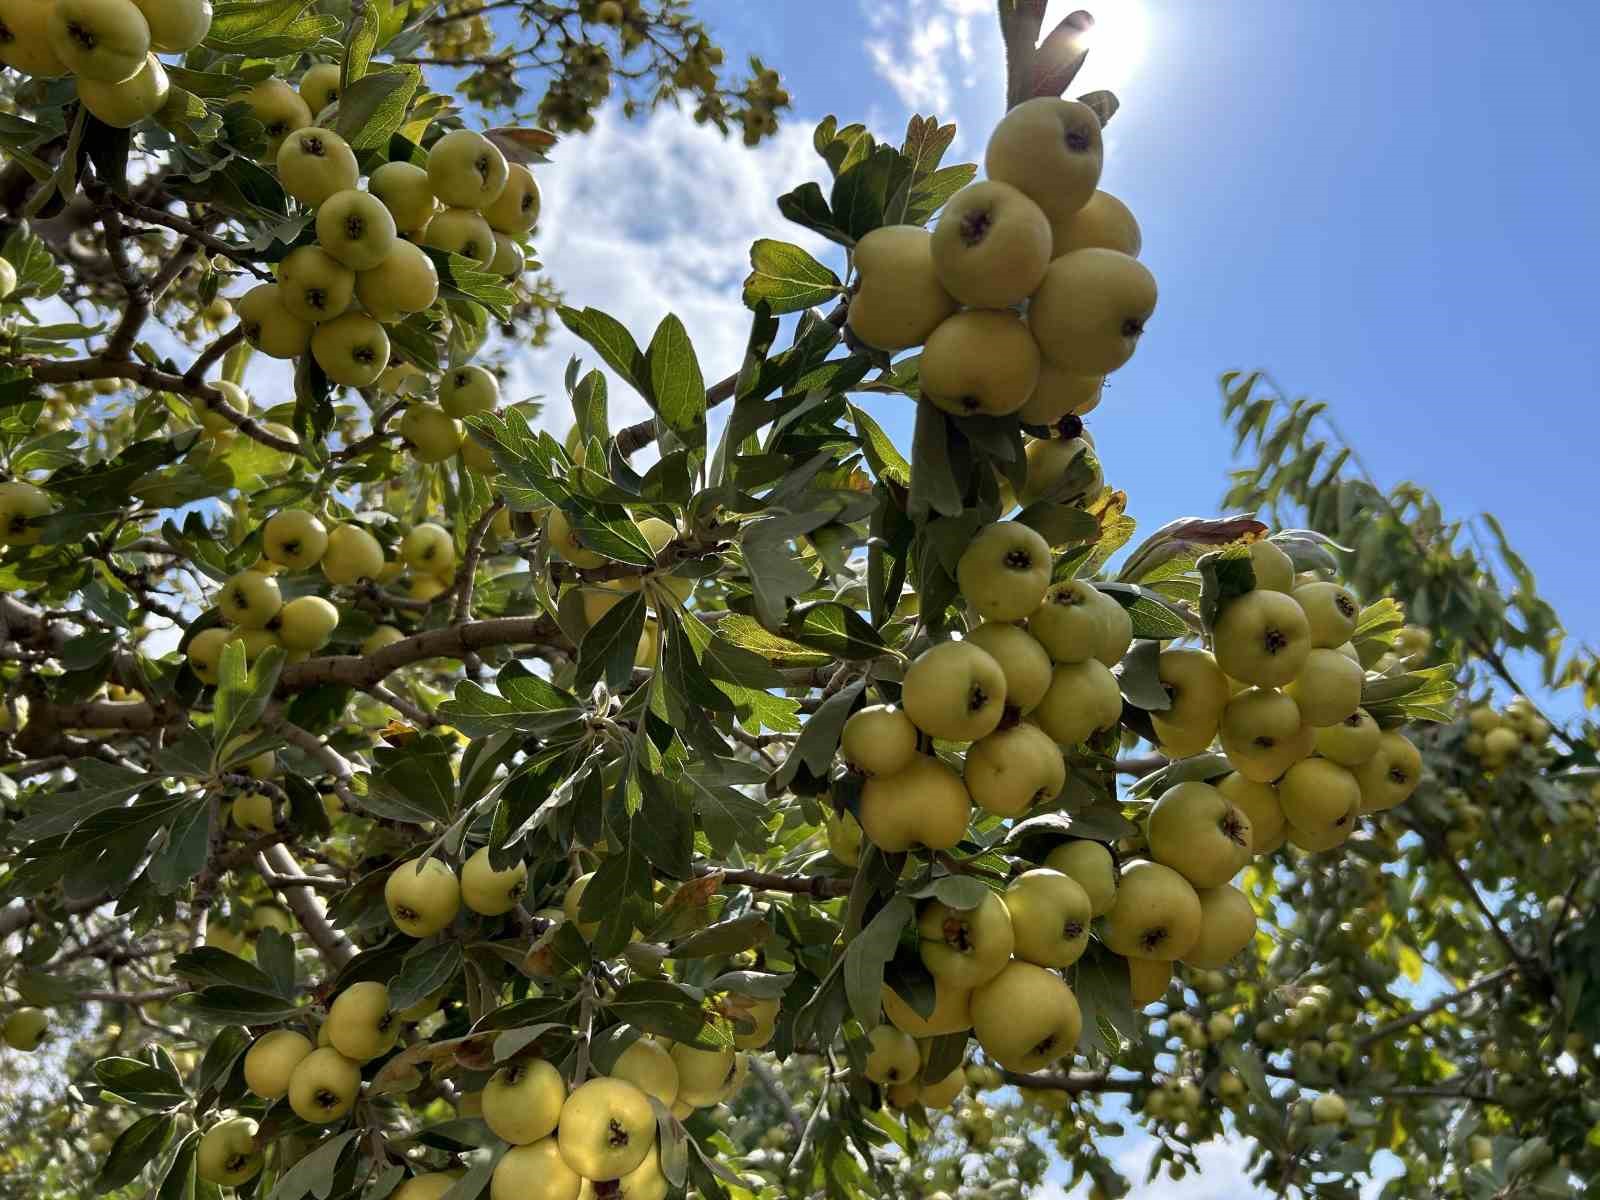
616,1135
1233,828
1153,938
82,36
955,933
1018,559
313,145
1077,140
1132,327
1072,930
1273,642
977,699
975,226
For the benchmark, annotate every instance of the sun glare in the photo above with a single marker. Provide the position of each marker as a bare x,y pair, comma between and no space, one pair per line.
1117,44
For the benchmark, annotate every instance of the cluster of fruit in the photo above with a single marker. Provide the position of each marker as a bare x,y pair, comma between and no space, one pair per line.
366,242
1498,737
1036,231
108,46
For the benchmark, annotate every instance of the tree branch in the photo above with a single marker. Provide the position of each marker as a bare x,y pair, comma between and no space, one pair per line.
306,905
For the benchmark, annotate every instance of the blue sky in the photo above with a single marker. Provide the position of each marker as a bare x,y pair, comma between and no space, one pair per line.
1393,213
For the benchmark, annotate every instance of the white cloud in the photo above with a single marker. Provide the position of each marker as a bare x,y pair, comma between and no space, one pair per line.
918,49
643,218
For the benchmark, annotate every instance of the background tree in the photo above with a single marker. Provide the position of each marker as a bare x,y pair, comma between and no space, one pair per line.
260,662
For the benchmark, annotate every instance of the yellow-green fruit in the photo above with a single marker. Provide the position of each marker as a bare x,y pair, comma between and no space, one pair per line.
25,42
279,108
1103,222
429,547
1327,688
980,362
467,170
433,435
356,228
1263,638
491,892
1026,1017
270,1062
1023,662
1320,797
324,1086
319,87
1050,914
563,542
423,896
406,281
1259,802
403,189
352,555
250,600
353,350
461,231
1198,832
1156,914
468,389
307,623
844,836
1148,980
954,691
1274,570
965,947
891,1056
1004,571
703,1074
1051,150
878,740
1070,622
926,805
991,245
102,40
315,163
294,539
1091,867
1082,699
1390,776
1263,735
951,1013
382,636
516,209
25,1028
20,505
205,652
1118,626
648,1065
1060,469
271,916
1352,741
1329,1109
360,1024
898,301
942,1093
314,286
232,397
1014,768
508,260
522,1102
1199,692
607,1129
1331,612
228,1155
431,1185
1227,923
269,326
123,105
763,1014
1059,393
176,26
535,1172
1091,309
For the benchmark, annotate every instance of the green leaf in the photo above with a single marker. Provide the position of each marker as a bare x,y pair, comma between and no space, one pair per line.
101,786
881,454
373,107
313,1174
613,342
135,1147
934,488
834,628
807,206
1224,575
776,574
609,648
242,698
668,1010
139,1083
677,388
862,191
527,703
1100,982
426,970
179,1181
868,953
787,278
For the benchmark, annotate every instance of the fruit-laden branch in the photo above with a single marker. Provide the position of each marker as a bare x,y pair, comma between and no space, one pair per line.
1075,1083
1422,1014
821,886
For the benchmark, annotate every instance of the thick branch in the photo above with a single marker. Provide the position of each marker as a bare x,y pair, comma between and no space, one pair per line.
821,886
303,901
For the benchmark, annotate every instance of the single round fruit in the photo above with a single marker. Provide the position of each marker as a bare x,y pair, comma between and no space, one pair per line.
468,389
123,105
1026,1017
1091,309
1390,776
314,286
432,433
315,163
898,301
1083,698
206,410
461,231
979,363
891,1056
991,245
1061,469
535,1172
250,600
607,1128
428,547
563,542
356,229
352,350
878,740
1331,612
1259,802
467,170
951,1013
1327,688
516,210
352,555
319,87
1263,735
1156,914
1274,569
404,190
1320,797
926,805
1148,980
1022,660
954,691
176,26
205,652
324,1086
25,1028
1070,622
294,539
1004,571
522,1102
1119,629
648,1065
279,108
423,897
307,623
1060,393
491,892
270,1062
25,43
406,281
1051,150
1227,923
1352,741
1198,832
361,1026
254,813
1091,867
1262,637
228,1155
21,504
1198,691
1011,769
965,947
1329,1109
1050,915
1103,222
268,324
844,836
102,40
508,261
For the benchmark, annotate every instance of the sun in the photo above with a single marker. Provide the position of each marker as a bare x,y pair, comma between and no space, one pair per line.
1117,43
